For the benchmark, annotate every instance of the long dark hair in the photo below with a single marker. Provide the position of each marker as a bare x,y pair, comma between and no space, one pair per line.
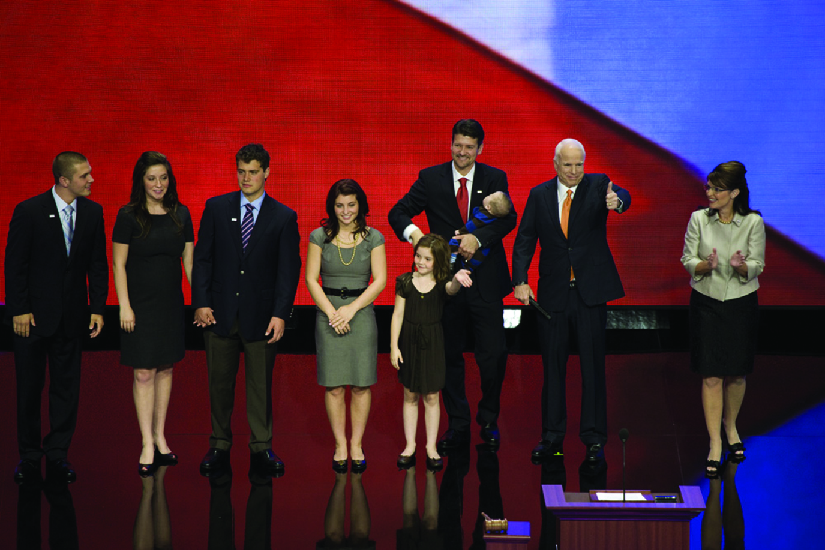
731,176
441,255
345,187
137,200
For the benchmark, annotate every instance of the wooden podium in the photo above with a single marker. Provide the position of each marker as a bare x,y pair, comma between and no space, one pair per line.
582,524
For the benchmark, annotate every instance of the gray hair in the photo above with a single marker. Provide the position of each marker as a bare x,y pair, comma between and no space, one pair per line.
569,142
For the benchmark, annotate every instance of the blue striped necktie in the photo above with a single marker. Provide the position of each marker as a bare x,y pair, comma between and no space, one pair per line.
67,217
246,225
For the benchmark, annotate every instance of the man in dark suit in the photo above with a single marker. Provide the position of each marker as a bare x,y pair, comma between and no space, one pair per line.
447,193
244,281
577,277
56,242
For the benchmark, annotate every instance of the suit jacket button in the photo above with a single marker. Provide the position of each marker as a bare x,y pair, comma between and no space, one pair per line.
241,272
237,293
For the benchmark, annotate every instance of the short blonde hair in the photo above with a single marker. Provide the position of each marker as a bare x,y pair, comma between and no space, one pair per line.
500,204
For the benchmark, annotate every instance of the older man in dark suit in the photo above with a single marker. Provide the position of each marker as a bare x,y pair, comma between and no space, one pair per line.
447,193
244,280
577,277
56,243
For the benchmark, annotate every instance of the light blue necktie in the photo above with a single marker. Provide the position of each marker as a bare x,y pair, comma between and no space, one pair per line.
67,217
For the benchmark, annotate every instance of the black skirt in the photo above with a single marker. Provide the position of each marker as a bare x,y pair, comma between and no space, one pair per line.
723,335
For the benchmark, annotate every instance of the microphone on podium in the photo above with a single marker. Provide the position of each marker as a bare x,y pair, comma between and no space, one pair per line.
623,435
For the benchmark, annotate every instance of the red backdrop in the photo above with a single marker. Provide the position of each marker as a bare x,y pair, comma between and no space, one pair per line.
367,89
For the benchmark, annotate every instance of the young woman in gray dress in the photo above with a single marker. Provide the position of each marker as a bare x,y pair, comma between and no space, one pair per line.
724,253
344,252
152,234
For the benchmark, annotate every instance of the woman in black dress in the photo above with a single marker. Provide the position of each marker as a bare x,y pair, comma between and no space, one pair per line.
152,234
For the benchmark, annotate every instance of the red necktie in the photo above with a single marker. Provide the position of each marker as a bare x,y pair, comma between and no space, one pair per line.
461,198
565,216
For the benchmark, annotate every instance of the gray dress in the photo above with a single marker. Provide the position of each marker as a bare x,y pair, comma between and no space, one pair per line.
349,359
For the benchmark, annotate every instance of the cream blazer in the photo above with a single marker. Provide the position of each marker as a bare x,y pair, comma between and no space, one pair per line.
704,233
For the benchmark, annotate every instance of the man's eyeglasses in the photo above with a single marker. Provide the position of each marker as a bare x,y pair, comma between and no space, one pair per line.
716,190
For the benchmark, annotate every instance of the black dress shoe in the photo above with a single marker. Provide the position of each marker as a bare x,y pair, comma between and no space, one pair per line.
490,436
435,464
340,466
594,453
547,449
60,471
358,466
214,461
168,459
27,471
405,462
266,463
452,439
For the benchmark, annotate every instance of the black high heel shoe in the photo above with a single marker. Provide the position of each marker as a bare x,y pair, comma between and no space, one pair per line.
168,459
735,450
405,462
146,470
340,466
359,466
713,468
435,464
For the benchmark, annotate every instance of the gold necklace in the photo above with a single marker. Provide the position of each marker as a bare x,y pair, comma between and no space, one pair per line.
338,245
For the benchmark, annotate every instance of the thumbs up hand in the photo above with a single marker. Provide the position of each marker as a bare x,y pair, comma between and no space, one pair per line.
612,199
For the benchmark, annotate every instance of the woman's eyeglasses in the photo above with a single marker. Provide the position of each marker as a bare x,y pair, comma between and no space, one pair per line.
716,190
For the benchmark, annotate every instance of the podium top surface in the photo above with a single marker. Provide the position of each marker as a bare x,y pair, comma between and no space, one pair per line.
579,504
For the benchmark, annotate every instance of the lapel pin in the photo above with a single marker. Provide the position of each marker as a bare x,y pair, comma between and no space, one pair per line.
479,191
51,215
234,219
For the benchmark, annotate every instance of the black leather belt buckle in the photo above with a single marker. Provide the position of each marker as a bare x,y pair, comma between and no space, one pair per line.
343,292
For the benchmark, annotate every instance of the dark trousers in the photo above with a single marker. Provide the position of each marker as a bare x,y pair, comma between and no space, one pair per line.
223,360
30,355
467,311
588,324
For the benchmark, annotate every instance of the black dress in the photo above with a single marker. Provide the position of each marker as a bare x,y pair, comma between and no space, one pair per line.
153,273
421,341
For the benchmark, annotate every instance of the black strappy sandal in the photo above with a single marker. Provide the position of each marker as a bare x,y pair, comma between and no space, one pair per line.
712,469
737,453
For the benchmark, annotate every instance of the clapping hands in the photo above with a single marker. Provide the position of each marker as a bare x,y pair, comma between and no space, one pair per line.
713,260
737,260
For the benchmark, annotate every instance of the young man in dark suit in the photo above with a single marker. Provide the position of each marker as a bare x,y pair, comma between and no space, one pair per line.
447,193
577,277
244,280
56,242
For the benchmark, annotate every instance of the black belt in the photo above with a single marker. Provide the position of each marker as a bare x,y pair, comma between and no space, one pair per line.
343,292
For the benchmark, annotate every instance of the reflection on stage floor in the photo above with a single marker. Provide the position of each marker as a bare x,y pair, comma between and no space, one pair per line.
653,395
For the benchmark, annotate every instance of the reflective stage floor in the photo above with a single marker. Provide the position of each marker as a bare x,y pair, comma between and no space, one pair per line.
770,500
